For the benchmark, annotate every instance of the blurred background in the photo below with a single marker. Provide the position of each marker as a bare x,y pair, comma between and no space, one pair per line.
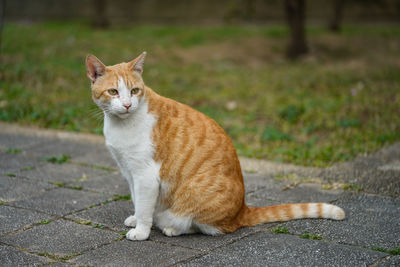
302,81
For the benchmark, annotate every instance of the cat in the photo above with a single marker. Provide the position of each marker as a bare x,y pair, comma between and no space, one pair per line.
182,168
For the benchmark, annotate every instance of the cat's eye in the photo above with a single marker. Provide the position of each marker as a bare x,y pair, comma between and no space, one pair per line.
112,91
134,91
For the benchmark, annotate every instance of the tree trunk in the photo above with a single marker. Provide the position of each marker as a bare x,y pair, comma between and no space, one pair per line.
334,24
248,10
99,17
295,15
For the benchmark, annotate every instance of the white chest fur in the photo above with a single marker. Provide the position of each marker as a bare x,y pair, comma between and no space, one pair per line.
129,140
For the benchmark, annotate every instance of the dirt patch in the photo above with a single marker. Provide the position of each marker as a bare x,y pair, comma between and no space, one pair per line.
252,52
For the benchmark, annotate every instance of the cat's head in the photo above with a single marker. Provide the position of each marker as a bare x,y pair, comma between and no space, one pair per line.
118,90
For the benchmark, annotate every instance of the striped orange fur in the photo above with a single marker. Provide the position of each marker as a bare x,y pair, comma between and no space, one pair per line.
199,164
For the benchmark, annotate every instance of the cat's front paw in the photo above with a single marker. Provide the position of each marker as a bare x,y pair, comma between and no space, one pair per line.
130,221
135,234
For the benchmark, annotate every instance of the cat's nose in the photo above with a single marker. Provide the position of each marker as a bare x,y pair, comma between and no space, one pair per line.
127,106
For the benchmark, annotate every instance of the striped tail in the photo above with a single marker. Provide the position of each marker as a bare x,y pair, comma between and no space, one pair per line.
279,213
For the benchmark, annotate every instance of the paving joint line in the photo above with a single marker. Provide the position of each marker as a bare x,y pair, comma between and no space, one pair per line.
217,248
381,260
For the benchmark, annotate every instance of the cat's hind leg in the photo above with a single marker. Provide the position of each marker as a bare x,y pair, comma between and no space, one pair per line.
173,225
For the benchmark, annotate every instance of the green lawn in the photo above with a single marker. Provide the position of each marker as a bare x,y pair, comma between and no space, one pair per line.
341,101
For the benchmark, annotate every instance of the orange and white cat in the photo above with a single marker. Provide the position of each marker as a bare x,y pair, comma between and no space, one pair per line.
182,169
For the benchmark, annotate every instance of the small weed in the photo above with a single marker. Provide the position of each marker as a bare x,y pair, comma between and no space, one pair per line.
1,202
394,251
352,187
57,257
97,225
48,255
332,186
123,233
280,230
76,187
44,222
82,179
307,235
29,168
59,184
108,169
57,159
119,197
84,222
10,174
13,151
290,176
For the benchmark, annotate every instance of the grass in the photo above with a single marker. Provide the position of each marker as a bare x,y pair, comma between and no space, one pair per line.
84,222
121,197
352,187
97,225
57,159
307,235
76,187
394,251
13,151
59,184
29,168
280,230
44,222
337,103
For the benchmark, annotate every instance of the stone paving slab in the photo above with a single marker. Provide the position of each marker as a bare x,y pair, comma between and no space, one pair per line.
113,184
377,173
13,257
265,188
127,253
54,147
61,173
8,140
267,249
62,201
14,163
111,215
61,238
17,188
368,223
12,219
99,156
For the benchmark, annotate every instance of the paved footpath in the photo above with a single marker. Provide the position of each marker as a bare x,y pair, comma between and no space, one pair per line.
69,210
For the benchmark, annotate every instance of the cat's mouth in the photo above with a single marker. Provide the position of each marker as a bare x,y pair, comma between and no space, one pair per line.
123,115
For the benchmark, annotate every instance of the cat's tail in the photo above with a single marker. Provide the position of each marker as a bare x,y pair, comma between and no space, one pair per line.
285,212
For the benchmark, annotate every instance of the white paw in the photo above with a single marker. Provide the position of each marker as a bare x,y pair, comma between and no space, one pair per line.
130,221
169,231
135,234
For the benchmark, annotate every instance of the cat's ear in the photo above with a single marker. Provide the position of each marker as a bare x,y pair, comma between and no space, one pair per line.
95,68
137,64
